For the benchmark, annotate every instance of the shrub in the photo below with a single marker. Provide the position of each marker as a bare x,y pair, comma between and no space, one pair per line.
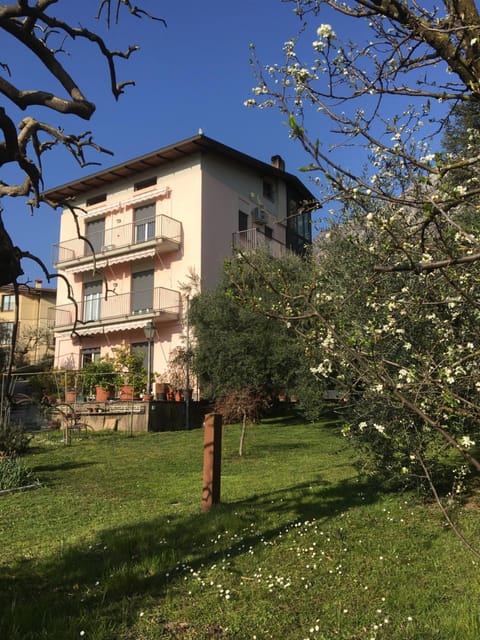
13,440
13,474
243,405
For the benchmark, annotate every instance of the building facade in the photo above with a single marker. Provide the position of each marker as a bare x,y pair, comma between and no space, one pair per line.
34,340
132,236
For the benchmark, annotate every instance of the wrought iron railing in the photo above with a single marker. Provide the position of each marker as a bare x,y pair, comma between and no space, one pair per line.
98,309
254,239
128,236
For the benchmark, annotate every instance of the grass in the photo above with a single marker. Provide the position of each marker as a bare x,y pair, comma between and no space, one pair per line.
115,546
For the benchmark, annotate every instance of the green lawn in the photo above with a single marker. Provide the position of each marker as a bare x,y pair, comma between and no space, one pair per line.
115,546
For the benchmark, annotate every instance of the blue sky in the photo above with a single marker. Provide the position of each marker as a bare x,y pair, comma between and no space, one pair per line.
193,74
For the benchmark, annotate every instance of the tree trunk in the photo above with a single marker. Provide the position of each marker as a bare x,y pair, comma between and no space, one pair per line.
9,258
242,435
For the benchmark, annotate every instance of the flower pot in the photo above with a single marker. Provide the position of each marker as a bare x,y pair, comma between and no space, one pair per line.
126,392
102,394
161,391
70,397
147,397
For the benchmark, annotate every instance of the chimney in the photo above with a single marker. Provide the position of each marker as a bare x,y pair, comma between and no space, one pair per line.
278,162
38,283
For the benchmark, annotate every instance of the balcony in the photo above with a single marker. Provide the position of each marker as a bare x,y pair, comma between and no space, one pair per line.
98,315
122,243
254,239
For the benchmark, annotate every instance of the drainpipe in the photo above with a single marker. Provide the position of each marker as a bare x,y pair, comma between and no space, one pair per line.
187,368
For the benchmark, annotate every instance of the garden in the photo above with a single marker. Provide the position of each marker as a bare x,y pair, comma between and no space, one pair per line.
112,544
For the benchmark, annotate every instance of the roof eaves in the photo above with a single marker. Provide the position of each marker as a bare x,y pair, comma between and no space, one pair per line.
182,149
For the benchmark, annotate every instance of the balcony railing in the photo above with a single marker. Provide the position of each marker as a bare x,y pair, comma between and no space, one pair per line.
163,232
98,312
254,239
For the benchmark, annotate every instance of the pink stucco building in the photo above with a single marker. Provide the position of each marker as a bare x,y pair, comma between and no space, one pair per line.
150,223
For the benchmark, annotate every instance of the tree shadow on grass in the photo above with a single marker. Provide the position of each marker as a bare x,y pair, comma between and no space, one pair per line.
281,446
109,580
62,466
286,420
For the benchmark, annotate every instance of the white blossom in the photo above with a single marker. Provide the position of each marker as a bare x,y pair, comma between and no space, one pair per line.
326,31
467,442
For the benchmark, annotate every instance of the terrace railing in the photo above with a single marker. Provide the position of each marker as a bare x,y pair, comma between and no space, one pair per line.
98,311
254,239
163,232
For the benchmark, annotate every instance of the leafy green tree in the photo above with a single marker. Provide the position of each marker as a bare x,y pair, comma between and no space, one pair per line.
236,348
462,129
244,360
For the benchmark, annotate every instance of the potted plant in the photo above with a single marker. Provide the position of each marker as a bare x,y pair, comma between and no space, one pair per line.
177,373
161,389
130,368
100,378
70,382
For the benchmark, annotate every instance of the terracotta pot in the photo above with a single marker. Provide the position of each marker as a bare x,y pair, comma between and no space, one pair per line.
161,391
102,394
126,392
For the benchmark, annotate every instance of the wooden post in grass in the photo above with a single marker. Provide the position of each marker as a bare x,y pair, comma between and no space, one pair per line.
212,460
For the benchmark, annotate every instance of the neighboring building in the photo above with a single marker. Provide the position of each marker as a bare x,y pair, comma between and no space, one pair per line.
35,323
152,221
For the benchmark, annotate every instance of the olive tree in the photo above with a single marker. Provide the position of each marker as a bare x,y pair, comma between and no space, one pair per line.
237,349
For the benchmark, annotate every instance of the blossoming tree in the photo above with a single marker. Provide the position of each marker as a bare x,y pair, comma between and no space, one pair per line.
389,305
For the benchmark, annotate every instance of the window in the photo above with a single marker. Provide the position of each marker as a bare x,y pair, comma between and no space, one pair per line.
141,349
8,303
6,332
95,233
144,223
96,199
242,221
90,355
92,301
268,190
268,231
144,184
142,291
